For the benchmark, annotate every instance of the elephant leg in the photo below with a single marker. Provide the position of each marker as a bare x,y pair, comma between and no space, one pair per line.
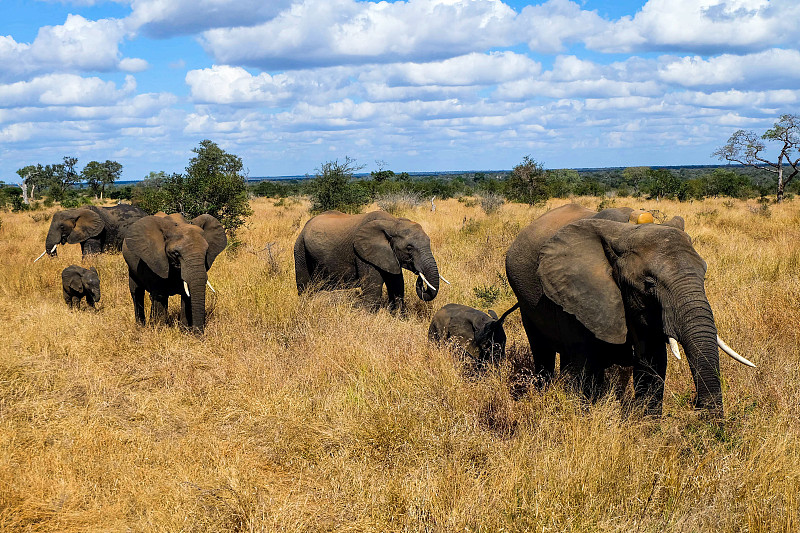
303,266
543,355
649,372
395,290
67,298
90,301
158,308
371,283
186,311
137,294
76,302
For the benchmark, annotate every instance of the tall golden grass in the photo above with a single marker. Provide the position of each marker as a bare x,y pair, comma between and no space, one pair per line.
310,414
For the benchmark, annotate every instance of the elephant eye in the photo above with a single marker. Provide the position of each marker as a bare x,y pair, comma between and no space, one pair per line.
649,284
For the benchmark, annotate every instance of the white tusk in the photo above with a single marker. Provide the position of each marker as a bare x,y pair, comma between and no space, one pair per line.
210,287
673,345
444,279
40,256
728,350
54,248
421,275
186,288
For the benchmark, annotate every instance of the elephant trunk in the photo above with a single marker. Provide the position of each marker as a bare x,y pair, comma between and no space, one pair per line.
428,288
53,239
195,278
696,331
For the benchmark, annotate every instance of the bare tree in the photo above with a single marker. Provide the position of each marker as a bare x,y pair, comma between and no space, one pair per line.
746,148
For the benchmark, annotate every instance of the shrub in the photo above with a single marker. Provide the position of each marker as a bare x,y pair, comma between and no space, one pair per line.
396,203
491,203
528,182
333,188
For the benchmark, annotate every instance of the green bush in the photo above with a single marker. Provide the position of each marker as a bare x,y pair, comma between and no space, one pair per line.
334,188
528,183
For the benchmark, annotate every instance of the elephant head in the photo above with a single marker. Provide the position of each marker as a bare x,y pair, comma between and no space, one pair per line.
72,226
393,244
181,253
491,338
83,280
629,283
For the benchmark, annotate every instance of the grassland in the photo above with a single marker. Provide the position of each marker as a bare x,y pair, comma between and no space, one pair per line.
308,414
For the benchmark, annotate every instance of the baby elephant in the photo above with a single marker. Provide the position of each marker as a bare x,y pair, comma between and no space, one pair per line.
481,336
79,282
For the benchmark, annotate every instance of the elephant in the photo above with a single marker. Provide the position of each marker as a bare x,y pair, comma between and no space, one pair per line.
97,228
625,214
167,257
335,250
480,335
77,283
602,292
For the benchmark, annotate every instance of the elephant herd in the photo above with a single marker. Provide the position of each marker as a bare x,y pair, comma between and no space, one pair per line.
599,288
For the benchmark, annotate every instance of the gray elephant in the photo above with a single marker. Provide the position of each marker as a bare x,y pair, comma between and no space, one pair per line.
335,250
601,292
480,335
78,283
97,229
167,257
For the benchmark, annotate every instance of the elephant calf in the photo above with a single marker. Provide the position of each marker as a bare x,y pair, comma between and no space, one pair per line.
481,336
78,283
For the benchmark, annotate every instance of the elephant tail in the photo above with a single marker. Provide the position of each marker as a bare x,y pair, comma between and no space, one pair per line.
504,315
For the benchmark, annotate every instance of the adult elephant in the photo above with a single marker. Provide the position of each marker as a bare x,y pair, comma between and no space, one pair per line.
366,251
97,229
166,256
602,292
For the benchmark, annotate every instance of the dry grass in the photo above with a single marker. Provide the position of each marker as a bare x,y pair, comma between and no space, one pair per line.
309,414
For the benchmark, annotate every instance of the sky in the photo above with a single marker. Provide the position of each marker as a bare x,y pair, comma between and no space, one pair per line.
415,85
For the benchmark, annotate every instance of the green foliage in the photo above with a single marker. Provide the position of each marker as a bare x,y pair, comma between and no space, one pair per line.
334,188
661,183
97,175
277,189
486,294
213,184
527,182
724,182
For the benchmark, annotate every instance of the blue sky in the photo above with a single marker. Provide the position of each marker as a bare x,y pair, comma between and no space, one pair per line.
417,84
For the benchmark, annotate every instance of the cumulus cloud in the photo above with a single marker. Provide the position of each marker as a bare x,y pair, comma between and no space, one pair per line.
329,32
549,26
767,69
166,18
705,26
61,90
78,45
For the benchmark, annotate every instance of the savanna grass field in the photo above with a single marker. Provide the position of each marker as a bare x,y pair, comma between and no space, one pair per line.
311,414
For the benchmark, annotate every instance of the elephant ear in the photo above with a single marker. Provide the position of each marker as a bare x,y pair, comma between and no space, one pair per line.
147,238
76,283
577,275
676,222
87,225
214,234
372,244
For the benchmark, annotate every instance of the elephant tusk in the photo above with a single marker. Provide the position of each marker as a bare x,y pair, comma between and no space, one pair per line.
673,345
428,283
728,350
54,248
210,287
186,288
444,279
40,256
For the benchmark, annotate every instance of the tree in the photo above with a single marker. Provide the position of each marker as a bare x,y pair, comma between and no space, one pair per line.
98,175
746,147
333,188
214,184
381,175
32,176
528,182
634,176
661,183
61,177
725,182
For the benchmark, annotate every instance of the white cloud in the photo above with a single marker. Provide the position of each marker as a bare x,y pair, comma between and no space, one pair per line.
771,68
328,32
79,45
166,18
548,26
60,90
704,26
